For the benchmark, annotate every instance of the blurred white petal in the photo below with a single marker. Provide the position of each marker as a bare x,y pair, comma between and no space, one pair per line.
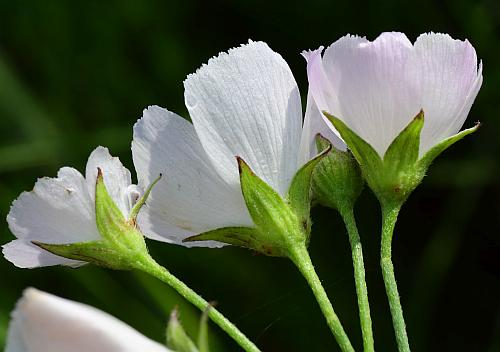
45,323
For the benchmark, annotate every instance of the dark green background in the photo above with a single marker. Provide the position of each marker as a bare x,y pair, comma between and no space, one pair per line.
77,74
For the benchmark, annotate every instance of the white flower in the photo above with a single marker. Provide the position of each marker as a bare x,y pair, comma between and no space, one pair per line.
45,323
242,103
377,88
61,210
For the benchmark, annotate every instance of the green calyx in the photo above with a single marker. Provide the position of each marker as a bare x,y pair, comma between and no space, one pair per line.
280,223
337,180
393,177
121,245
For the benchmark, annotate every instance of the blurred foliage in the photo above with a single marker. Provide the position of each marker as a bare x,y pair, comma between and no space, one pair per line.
77,74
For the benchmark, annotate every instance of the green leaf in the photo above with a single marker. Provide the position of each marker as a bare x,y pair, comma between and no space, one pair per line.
367,157
432,153
403,151
177,338
337,180
299,193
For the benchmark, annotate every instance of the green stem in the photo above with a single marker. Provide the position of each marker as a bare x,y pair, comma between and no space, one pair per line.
389,216
359,278
300,257
150,266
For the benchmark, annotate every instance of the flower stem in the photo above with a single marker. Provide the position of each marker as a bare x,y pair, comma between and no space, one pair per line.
301,259
151,267
389,216
359,278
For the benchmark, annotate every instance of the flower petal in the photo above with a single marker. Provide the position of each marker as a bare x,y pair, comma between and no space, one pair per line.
58,210
42,322
191,197
445,73
116,177
24,254
314,124
246,103
368,78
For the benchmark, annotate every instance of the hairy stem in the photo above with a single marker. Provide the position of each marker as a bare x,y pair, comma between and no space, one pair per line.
359,278
389,216
301,259
151,267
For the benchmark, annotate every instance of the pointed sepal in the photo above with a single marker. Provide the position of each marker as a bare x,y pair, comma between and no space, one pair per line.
393,177
367,157
299,193
280,224
109,218
203,344
177,338
337,180
400,175
99,253
140,203
433,153
276,222
403,151
238,236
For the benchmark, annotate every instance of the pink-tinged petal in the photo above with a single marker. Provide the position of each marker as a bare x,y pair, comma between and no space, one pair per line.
445,73
45,323
24,254
191,197
116,178
319,83
246,103
372,94
314,124
320,98
58,210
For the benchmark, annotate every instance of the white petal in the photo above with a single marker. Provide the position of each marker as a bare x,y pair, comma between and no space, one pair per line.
116,177
445,73
246,103
24,254
45,323
314,124
58,210
374,97
191,197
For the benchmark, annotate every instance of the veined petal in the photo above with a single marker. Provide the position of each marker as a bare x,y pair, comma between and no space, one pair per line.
372,95
25,254
45,323
58,210
445,73
246,103
191,197
314,124
116,178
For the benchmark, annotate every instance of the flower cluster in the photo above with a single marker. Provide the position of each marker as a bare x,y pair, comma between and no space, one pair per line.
244,173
